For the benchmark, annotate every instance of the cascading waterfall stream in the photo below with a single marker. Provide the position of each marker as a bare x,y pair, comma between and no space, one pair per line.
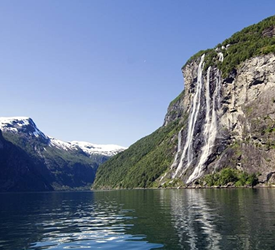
221,57
179,150
210,128
209,124
207,113
188,148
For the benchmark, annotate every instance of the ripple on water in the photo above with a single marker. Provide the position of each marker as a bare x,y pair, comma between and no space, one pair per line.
89,227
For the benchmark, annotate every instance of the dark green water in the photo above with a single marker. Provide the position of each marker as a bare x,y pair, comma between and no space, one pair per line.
139,219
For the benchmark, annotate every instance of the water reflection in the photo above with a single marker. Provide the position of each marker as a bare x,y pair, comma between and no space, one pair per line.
68,221
139,219
223,219
194,220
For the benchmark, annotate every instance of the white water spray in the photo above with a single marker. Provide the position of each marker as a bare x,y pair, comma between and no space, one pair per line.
220,55
210,128
179,150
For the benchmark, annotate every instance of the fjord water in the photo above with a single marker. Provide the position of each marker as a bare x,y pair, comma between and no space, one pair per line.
139,219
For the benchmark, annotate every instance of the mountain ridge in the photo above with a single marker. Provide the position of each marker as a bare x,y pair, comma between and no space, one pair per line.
59,165
225,119
23,123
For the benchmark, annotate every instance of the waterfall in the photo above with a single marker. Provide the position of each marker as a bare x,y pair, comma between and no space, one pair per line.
185,154
210,127
208,99
220,56
218,81
188,148
178,151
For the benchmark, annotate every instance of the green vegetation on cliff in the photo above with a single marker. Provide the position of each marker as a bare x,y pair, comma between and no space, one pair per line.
36,166
255,40
229,176
146,160
141,164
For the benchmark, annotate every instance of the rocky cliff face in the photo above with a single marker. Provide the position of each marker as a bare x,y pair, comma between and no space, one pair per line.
175,111
202,102
224,119
249,116
231,121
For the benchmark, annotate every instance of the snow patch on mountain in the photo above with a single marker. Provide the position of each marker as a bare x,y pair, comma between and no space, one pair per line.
108,150
20,124
27,126
61,144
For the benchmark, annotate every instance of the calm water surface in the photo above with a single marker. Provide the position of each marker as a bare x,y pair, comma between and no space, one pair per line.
139,219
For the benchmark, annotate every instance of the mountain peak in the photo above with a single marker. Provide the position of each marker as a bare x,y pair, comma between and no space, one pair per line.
37,158
26,127
20,124
16,119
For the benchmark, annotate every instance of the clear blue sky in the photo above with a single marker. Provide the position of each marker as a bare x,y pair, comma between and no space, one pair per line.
104,71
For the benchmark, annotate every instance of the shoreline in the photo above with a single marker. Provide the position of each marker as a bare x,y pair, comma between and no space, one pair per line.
258,186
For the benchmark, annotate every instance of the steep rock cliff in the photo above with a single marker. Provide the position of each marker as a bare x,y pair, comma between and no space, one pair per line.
231,121
249,115
225,116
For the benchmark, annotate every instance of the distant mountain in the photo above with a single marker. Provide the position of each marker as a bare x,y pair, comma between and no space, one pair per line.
19,171
33,161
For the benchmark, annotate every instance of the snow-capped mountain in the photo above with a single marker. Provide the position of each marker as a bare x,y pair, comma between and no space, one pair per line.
21,125
34,161
25,125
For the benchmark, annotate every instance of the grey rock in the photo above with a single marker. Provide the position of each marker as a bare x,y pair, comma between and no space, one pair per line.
245,139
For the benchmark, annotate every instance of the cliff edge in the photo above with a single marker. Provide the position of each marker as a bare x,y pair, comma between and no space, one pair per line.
224,119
